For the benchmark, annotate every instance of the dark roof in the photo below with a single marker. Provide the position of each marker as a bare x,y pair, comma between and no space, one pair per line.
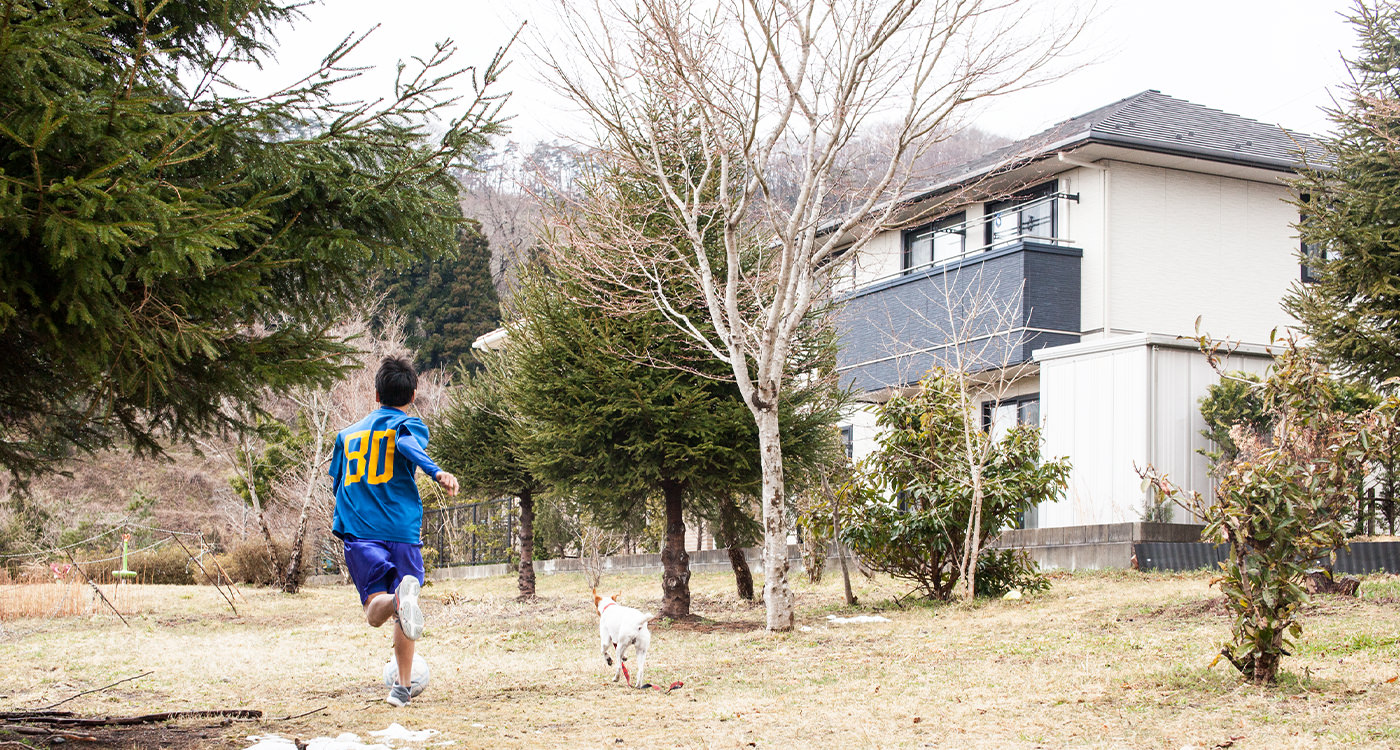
1153,121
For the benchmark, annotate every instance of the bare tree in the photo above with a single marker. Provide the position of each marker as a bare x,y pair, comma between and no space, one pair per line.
698,99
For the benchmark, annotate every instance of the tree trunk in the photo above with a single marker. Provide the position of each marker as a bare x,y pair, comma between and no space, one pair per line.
967,587
841,548
675,561
526,582
729,537
291,582
777,594
743,577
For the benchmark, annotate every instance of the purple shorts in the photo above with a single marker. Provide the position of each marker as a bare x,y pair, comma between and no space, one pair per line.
379,566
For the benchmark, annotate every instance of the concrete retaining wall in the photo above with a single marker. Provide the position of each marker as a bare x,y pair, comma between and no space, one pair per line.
1091,547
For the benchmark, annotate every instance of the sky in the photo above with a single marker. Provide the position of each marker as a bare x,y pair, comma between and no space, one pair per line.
1277,61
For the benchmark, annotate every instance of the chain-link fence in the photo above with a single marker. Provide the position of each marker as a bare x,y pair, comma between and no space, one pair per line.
471,534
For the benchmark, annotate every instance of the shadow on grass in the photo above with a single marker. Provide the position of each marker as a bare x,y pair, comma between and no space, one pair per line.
1223,679
700,624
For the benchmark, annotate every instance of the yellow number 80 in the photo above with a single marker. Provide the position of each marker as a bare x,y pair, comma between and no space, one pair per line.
380,462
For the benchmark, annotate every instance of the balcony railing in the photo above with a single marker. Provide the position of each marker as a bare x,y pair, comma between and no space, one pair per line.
978,228
980,311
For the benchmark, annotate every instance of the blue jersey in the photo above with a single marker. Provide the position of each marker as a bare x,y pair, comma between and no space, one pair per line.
372,475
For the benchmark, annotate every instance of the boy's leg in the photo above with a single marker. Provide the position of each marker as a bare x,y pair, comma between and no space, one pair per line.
403,655
379,608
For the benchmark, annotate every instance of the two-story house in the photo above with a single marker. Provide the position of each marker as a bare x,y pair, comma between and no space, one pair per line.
1066,269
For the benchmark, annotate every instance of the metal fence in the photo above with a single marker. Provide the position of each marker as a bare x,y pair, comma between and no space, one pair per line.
470,534
1358,557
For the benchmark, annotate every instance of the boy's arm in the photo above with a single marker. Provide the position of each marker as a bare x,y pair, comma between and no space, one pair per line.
410,446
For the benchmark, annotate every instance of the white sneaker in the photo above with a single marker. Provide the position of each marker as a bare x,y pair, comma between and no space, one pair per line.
406,602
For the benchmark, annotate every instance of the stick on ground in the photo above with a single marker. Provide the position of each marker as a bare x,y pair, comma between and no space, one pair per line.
94,690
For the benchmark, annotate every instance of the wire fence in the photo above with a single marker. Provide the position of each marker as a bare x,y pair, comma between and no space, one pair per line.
471,534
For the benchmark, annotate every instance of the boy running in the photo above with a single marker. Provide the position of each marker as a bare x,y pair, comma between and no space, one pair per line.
378,512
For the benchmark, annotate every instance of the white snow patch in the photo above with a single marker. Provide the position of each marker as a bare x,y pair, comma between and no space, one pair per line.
857,619
346,741
396,731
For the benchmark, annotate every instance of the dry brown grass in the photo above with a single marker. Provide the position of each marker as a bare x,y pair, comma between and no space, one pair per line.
73,599
1104,660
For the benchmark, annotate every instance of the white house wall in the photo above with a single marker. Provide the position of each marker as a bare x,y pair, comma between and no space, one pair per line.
1093,409
1185,244
1181,378
1117,405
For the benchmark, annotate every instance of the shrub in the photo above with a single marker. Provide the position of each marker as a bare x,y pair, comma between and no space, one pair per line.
1279,505
1000,571
247,562
913,505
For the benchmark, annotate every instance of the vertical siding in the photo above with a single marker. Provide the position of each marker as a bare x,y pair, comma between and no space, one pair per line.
1093,409
1182,378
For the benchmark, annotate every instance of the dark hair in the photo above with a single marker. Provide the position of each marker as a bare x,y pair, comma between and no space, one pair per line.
395,382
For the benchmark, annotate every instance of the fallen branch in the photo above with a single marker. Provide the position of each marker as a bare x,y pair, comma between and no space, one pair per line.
298,716
48,733
73,721
94,690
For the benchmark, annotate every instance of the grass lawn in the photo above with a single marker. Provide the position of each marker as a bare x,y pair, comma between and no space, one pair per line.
1103,660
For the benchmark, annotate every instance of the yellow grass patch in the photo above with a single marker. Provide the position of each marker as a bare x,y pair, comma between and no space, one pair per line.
1104,660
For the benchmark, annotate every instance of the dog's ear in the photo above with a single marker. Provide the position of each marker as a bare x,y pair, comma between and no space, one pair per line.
617,597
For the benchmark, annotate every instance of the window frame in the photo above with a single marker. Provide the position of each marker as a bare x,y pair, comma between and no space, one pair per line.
1014,204
932,228
1309,250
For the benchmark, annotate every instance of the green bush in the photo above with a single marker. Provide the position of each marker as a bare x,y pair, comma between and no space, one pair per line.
911,506
1000,571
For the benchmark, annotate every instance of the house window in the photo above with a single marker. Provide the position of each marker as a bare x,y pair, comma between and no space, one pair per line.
935,243
1309,250
848,440
1000,416
1026,215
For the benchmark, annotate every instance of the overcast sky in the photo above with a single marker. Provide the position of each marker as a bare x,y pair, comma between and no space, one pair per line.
1270,60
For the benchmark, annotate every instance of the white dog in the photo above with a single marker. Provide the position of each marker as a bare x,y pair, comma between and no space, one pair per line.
622,627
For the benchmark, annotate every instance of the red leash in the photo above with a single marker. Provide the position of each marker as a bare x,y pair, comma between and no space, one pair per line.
674,686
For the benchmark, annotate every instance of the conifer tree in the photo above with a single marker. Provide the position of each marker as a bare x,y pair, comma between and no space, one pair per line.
1350,204
475,436
605,422
447,301
171,246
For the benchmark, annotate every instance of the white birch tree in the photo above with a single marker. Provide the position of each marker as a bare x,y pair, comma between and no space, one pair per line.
742,83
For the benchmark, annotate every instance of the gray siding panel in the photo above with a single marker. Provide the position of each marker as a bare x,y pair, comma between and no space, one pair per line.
893,332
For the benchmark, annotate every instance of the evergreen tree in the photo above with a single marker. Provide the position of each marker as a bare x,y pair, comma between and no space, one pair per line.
474,436
169,246
1351,211
448,301
605,424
